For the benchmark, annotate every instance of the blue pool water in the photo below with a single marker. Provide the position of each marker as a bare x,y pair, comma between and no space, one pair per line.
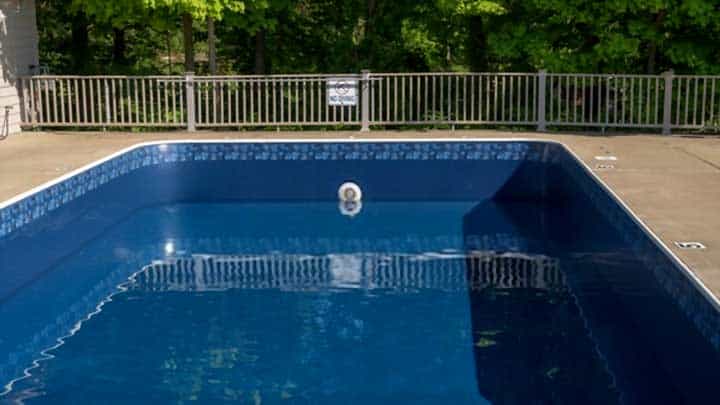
474,273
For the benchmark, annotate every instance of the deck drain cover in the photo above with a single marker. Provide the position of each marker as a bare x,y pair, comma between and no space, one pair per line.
690,245
605,167
606,158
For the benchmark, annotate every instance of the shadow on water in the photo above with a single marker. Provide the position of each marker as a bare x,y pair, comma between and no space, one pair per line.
606,333
529,338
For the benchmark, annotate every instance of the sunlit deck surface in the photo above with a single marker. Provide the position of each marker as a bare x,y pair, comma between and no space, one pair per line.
671,182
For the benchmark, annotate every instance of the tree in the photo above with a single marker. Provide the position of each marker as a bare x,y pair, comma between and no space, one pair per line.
260,18
442,30
609,36
212,52
122,12
203,10
263,36
80,40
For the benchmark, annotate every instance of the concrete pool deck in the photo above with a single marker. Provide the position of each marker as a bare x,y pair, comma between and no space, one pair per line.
672,183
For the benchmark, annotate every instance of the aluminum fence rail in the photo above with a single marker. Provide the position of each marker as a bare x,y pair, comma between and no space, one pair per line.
103,101
453,98
625,101
234,101
541,99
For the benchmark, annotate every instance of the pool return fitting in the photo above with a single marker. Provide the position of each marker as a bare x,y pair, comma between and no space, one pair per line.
350,196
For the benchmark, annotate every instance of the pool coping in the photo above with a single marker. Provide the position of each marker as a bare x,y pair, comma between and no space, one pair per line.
686,270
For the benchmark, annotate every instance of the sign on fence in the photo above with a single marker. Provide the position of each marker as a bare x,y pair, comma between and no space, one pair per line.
342,92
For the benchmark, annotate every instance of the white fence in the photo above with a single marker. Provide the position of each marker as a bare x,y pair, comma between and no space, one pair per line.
540,99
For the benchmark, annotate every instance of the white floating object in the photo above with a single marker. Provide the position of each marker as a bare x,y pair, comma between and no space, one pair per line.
349,191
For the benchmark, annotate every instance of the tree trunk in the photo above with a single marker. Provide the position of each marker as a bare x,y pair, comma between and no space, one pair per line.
371,5
260,54
212,55
79,48
119,46
652,48
652,55
478,44
187,28
169,51
369,32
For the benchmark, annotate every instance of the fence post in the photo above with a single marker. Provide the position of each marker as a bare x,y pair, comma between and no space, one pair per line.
30,104
365,100
22,99
667,103
106,87
542,123
190,100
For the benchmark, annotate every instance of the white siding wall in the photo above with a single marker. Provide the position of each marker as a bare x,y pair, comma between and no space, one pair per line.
18,52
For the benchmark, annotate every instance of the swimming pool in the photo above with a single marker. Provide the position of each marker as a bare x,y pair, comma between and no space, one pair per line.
475,272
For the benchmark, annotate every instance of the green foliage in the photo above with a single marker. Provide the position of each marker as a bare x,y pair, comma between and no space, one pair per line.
609,36
439,31
122,11
634,36
476,7
259,15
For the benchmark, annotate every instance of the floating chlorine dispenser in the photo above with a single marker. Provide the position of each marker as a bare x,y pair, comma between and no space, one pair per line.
350,196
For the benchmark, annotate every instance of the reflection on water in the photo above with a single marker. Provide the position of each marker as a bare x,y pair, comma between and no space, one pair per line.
293,272
457,302
352,327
